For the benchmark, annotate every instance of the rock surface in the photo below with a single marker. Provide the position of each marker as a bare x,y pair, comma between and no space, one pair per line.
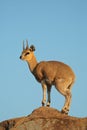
45,118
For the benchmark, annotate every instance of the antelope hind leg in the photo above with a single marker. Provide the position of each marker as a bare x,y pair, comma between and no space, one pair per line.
66,107
64,88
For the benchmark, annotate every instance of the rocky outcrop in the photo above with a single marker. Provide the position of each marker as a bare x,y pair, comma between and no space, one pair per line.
6,125
45,118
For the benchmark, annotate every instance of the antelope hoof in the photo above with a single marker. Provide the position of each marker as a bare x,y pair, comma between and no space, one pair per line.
43,103
65,111
48,104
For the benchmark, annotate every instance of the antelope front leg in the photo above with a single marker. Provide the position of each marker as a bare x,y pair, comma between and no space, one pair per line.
44,87
48,92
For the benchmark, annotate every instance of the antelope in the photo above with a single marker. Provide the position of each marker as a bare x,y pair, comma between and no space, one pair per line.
50,73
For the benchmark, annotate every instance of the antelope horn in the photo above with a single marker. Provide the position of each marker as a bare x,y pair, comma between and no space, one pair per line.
26,44
23,45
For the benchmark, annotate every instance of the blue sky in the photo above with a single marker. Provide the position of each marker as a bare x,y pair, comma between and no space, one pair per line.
58,29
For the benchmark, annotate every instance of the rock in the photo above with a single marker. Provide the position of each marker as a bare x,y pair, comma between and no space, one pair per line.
6,125
46,118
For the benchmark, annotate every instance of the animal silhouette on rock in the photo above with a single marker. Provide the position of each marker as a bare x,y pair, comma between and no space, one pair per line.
50,73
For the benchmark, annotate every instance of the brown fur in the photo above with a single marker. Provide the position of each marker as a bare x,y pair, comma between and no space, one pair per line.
50,73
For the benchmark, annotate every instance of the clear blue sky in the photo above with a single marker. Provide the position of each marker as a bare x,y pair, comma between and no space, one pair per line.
58,29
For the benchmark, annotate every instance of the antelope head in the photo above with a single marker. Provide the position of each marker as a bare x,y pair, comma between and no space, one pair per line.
27,52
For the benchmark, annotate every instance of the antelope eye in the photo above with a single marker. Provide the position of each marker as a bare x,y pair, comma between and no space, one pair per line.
27,53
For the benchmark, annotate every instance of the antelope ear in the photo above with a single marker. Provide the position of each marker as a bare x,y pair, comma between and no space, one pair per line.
32,48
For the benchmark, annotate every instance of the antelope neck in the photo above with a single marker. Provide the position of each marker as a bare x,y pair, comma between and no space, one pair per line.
32,64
